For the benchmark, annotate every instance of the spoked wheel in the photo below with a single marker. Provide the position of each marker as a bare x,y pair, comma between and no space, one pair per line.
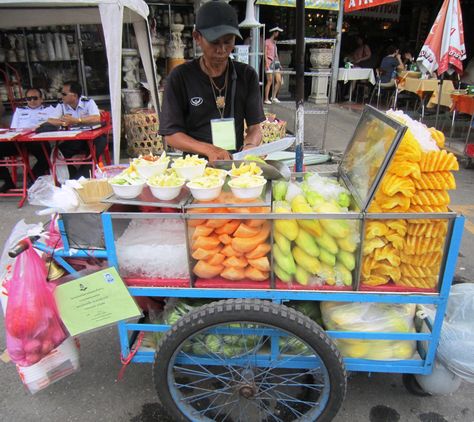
248,361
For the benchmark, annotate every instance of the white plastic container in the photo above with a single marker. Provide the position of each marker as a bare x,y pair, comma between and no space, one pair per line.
127,191
165,193
190,172
205,194
152,169
248,193
59,363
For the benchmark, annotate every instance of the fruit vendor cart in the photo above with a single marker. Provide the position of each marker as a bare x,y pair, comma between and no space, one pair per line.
249,284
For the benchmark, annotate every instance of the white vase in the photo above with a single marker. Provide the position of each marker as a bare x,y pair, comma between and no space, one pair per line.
320,57
50,46
64,48
57,47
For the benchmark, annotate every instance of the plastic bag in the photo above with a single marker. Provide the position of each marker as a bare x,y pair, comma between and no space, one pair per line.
44,192
53,239
62,171
456,344
33,326
373,318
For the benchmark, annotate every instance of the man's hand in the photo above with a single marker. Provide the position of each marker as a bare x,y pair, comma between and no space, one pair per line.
67,119
215,153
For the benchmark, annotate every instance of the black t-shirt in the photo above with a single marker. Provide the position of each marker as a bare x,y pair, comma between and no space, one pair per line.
389,65
189,103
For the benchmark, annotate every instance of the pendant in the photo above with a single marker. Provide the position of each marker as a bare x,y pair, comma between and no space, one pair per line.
220,102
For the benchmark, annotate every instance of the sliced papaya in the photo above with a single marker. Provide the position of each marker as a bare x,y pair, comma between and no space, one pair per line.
255,223
206,242
225,239
204,270
201,253
196,222
228,228
215,223
228,250
259,251
255,274
202,230
233,273
262,264
247,244
235,261
246,231
216,259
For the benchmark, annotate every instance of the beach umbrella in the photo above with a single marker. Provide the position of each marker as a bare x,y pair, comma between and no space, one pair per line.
444,49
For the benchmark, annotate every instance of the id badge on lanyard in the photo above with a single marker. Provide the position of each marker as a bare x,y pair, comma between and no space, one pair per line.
223,133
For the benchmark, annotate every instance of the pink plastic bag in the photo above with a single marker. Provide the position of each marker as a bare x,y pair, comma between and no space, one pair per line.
32,322
53,239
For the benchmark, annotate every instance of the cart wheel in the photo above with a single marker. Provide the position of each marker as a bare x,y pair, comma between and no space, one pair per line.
413,387
248,361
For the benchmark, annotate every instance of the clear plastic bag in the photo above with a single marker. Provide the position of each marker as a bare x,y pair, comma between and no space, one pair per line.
456,345
371,318
33,326
43,192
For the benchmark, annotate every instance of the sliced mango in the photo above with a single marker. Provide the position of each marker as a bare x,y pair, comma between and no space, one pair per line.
255,223
196,222
259,251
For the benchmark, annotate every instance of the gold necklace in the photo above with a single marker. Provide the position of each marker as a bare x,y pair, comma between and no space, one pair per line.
218,98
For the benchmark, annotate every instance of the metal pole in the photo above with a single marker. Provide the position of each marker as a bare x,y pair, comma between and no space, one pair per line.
299,91
335,64
439,100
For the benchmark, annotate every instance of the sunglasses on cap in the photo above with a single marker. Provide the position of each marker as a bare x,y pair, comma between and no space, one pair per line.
32,98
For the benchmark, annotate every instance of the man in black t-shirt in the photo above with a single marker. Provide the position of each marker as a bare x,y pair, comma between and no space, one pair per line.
391,63
212,87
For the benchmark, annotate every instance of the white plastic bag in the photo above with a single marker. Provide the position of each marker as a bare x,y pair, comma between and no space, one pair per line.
62,172
371,318
456,344
44,192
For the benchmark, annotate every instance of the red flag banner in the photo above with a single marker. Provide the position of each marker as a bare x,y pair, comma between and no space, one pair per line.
353,5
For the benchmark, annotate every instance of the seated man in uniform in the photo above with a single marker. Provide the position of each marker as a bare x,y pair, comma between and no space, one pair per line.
78,110
29,117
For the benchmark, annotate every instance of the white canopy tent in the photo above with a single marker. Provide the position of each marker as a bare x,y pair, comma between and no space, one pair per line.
112,14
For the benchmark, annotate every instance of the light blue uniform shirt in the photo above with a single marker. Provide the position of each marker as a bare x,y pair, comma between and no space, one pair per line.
26,117
85,107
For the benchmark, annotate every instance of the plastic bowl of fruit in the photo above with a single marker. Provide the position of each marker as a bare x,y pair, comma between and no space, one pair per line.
247,186
206,188
247,168
150,165
189,167
166,186
127,185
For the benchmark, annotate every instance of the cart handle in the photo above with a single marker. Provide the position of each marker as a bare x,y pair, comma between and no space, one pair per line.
21,246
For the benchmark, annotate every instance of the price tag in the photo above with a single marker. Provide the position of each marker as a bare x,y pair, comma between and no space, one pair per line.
223,133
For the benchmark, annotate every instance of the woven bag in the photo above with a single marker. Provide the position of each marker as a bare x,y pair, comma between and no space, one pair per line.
141,129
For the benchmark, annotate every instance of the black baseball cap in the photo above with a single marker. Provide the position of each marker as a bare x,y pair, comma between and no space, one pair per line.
215,19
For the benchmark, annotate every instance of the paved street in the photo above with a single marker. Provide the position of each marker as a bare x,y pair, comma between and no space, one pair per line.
94,394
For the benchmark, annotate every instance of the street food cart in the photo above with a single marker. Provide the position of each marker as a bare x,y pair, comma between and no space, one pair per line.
241,341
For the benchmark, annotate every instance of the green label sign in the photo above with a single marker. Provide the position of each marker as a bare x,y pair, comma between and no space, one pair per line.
94,301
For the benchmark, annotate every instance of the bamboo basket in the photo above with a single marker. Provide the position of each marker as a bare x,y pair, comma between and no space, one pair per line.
141,128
